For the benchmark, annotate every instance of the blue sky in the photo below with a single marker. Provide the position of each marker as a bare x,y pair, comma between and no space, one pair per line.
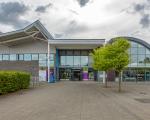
80,18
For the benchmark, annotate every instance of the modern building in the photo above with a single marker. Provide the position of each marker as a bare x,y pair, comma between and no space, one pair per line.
68,59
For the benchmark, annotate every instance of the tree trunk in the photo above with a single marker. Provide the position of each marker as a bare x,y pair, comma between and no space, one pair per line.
119,89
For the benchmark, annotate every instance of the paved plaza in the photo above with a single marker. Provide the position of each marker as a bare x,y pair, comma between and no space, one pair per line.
78,101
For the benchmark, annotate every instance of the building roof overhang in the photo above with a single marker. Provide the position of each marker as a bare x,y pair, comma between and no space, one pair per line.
35,31
77,41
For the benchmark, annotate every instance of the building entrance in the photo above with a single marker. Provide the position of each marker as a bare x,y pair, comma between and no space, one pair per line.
76,75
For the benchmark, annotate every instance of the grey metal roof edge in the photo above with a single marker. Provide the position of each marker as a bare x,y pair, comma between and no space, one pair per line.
41,28
140,41
12,32
37,24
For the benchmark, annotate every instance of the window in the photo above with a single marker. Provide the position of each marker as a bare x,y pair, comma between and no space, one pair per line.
27,57
62,60
134,50
21,57
147,51
84,60
13,57
35,57
77,60
5,57
141,59
51,56
42,57
141,50
134,44
69,60
134,59
90,60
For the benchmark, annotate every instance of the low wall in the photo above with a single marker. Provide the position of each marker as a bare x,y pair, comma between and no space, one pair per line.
26,66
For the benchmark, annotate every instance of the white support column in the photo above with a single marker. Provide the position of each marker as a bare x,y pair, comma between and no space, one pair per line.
48,62
104,77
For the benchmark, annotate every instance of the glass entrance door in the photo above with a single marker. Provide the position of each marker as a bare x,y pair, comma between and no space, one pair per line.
76,75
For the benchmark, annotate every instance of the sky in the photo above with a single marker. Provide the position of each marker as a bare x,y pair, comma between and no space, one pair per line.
96,19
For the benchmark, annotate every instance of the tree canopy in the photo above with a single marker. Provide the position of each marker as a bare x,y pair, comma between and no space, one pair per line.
112,56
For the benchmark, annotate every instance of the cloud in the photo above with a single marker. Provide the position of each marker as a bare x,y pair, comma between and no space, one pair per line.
145,21
11,12
139,7
75,27
143,9
82,3
58,35
42,9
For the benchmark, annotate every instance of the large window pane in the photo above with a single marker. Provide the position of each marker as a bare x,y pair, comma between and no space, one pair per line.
84,60
141,50
35,57
147,51
5,57
141,61
134,44
51,56
134,60
27,57
76,60
147,60
134,50
13,57
21,57
42,57
69,60
90,61
62,60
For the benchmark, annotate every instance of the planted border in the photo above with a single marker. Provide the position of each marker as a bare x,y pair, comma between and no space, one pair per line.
11,81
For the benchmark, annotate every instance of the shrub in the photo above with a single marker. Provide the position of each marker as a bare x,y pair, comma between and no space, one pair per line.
11,81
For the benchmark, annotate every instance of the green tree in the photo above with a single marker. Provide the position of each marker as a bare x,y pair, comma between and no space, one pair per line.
118,52
101,61
112,57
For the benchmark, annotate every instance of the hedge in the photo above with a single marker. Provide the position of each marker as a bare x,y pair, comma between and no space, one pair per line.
11,81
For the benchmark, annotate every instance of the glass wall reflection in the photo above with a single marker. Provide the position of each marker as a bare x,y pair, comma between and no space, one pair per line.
76,58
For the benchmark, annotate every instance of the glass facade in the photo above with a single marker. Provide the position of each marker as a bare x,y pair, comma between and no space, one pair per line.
75,58
138,69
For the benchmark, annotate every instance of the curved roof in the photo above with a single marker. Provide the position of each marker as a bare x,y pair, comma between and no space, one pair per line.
142,42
